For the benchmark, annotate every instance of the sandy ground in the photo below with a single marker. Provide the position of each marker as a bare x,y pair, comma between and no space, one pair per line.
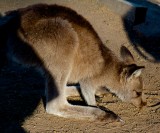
22,90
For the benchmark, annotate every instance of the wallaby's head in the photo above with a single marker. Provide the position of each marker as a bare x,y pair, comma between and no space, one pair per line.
130,79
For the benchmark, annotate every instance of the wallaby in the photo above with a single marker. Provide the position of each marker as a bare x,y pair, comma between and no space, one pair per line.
66,49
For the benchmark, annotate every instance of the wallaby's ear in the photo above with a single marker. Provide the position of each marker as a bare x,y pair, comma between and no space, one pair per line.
137,72
133,71
126,55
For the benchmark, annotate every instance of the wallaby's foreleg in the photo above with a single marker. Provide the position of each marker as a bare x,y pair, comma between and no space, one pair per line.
88,92
72,91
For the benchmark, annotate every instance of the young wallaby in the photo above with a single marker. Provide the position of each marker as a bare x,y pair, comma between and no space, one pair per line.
66,49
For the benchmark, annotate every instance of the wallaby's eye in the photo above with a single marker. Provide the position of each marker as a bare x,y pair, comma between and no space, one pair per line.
136,94
139,93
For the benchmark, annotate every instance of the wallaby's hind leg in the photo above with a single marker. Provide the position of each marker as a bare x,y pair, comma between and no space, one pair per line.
55,89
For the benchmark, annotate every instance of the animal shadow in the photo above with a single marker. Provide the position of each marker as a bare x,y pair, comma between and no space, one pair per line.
21,89
147,45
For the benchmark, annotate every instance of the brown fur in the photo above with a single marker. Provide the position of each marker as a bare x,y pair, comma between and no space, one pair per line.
66,48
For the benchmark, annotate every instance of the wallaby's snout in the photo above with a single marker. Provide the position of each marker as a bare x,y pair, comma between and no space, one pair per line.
139,102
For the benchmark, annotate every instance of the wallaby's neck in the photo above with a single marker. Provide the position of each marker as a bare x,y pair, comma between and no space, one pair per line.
110,76
113,78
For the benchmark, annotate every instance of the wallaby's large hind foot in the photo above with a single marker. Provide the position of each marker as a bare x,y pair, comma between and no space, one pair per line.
83,113
109,116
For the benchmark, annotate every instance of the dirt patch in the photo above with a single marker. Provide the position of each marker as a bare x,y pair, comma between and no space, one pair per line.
22,90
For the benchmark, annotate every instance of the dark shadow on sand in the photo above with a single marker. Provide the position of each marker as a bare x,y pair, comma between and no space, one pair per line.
149,44
21,89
